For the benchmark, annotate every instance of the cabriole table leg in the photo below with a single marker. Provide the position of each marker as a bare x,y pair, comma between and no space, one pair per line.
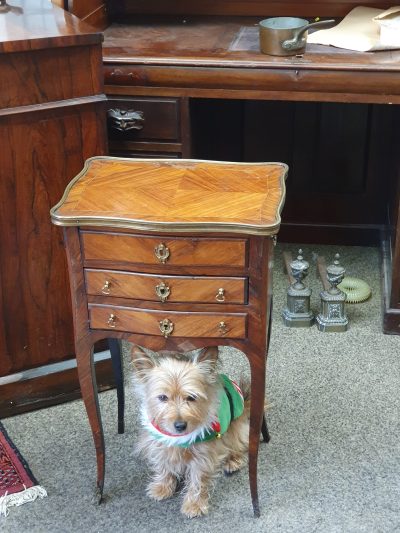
88,384
257,369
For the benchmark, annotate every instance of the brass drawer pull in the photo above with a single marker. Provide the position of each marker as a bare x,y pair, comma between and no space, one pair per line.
125,119
112,320
223,328
220,296
163,291
162,252
166,327
106,287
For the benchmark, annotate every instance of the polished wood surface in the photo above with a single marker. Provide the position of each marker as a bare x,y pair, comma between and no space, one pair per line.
38,24
20,397
185,324
51,98
129,308
212,57
200,195
93,12
178,288
45,80
216,41
134,250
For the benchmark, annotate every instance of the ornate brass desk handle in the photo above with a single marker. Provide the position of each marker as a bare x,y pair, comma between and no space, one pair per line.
220,296
223,328
162,252
125,119
163,291
106,287
166,327
112,320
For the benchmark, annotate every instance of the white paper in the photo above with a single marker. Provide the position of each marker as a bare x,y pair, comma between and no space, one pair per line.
359,31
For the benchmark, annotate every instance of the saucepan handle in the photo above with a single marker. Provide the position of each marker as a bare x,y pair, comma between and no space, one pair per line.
297,41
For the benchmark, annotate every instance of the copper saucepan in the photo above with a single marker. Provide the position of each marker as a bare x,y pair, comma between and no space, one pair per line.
286,36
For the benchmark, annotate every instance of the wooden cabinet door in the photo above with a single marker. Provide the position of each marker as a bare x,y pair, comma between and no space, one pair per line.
51,120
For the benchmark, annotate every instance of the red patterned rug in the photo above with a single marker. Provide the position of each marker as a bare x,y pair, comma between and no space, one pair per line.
17,483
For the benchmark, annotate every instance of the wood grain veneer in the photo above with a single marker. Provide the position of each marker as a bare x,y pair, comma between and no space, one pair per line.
195,195
136,250
186,324
181,288
51,101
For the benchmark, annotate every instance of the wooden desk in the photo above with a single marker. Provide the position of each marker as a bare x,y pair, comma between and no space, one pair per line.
172,256
213,95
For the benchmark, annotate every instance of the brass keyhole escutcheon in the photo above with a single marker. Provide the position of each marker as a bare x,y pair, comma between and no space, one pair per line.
162,252
166,327
220,296
163,291
112,320
223,328
106,287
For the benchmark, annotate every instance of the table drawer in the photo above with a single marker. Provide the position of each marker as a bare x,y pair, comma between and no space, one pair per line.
143,119
228,290
133,249
168,323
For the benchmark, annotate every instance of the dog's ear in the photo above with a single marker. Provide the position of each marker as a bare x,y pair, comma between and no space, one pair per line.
142,362
208,355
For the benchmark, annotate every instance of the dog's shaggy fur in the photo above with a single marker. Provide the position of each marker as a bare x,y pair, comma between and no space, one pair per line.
180,396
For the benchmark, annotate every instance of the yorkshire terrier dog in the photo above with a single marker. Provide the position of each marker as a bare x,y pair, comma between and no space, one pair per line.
195,420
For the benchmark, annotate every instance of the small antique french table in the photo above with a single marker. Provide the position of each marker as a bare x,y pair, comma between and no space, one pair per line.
172,255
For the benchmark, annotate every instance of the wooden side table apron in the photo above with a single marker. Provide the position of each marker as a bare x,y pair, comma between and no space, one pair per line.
172,255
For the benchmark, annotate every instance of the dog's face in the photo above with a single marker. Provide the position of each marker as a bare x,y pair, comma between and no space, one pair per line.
179,393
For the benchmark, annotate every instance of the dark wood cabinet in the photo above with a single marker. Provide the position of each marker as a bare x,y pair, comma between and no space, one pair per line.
51,120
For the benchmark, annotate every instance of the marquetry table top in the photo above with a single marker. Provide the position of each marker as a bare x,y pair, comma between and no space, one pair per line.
167,195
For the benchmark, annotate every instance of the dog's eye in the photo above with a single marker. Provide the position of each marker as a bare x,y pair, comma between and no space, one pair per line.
191,398
163,398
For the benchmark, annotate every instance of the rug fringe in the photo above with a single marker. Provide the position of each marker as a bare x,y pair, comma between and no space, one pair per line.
19,498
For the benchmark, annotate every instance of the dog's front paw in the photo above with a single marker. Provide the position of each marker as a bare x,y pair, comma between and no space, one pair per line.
233,463
161,490
192,508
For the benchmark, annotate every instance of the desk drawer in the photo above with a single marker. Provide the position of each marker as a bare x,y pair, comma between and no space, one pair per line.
232,290
143,119
168,323
133,249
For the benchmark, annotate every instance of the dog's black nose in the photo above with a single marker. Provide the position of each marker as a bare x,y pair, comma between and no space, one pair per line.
180,426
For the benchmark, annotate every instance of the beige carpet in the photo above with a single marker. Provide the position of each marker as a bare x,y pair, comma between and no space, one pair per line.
333,464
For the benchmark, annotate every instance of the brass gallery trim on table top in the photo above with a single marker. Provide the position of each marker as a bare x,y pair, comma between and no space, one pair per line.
207,190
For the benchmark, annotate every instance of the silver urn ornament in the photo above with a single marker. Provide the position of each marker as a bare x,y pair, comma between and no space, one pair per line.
297,313
332,316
